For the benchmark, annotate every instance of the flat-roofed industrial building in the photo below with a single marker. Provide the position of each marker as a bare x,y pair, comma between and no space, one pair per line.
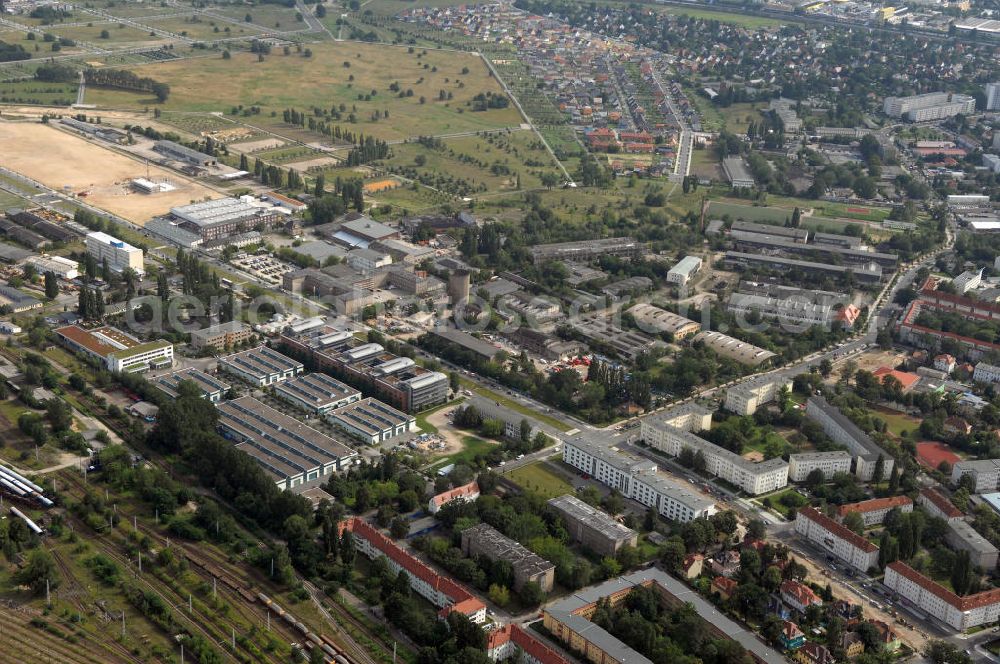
372,421
261,366
593,528
118,351
316,393
291,452
211,387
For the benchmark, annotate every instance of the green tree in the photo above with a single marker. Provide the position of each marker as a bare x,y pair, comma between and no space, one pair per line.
39,569
51,285
854,521
961,573
531,594
499,595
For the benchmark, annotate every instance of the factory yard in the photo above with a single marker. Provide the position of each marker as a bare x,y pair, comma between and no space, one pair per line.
83,166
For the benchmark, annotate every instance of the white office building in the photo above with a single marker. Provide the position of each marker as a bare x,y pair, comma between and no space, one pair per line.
634,478
686,268
119,254
754,478
985,472
746,397
993,96
800,465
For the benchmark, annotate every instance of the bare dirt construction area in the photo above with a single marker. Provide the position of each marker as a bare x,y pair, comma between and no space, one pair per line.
254,146
319,162
875,359
60,160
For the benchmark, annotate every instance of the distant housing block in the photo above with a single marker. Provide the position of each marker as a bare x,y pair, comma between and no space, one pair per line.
592,527
484,540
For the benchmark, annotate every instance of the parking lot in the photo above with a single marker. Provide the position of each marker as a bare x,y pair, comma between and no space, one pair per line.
265,268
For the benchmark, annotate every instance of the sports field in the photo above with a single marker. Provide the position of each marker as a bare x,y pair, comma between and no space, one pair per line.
324,80
85,166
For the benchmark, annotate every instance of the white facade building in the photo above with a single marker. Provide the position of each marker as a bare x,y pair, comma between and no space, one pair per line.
746,397
63,268
993,96
985,472
119,255
636,479
986,373
845,432
873,511
754,478
686,268
847,545
961,613
800,465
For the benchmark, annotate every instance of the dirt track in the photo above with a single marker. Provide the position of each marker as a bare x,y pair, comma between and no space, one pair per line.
61,160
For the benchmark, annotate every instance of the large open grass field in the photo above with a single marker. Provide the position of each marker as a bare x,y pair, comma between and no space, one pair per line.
280,82
539,478
203,27
35,92
119,35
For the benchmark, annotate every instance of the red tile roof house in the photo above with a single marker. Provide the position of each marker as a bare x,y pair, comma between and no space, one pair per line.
957,426
692,565
873,511
791,637
504,642
813,653
886,636
798,595
467,492
725,587
938,504
440,591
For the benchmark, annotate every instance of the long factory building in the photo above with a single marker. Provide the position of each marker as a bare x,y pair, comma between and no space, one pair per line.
635,478
211,387
225,217
865,274
397,381
291,452
439,590
828,250
316,393
261,366
662,432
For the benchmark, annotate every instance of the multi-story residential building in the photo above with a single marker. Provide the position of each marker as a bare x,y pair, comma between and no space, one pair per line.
119,255
484,540
595,529
962,536
938,505
439,590
873,511
985,472
961,613
466,492
513,641
798,595
221,336
993,96
754,478
986,373
835,538
636,479
746,397
568,620
261,366
845,432
800,465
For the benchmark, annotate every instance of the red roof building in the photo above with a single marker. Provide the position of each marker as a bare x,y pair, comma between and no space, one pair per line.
468,492
725,587
959,612
873,511
938,504
834,537
905,378
503,643
438,590
798,595
847,315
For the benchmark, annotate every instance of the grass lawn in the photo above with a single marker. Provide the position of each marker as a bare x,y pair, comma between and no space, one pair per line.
514,405
203,28
744,20
791,496
118,34
898,422
471,446
324,80
541,480
35,92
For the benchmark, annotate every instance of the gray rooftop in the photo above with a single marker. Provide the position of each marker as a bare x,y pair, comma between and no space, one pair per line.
498,546
707,612
862,439
260,362
221,328
316,389
972,539
168,383
820,456
770,229
577,510
695,443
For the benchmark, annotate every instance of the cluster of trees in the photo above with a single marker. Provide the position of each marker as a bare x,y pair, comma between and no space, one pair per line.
90,304
198,277
367,150
11,52
347,194
619,386
56,72
126,80
679,634
487,100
